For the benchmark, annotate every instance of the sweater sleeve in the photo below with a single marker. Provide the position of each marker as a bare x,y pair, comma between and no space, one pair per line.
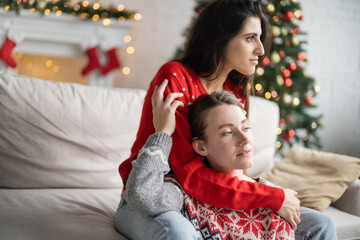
146,190
207,185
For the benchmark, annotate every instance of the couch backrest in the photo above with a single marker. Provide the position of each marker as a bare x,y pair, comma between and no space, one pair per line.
73,136
264,120
64,135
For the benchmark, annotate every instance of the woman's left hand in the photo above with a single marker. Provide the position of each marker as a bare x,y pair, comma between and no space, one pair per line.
164,111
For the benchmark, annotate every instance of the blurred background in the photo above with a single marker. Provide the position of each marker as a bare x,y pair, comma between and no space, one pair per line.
332,50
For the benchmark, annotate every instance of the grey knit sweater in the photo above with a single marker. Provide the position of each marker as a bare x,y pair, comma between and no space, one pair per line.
146,190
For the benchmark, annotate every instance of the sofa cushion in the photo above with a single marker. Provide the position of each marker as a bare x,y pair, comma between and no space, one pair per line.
264,119
347,225
320,178
64,135
59,214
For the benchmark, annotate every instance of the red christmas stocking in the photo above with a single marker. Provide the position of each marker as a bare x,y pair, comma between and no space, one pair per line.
5,52
93,61
113,62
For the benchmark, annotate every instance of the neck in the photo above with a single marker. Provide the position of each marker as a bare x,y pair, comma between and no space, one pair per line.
213,84
238,173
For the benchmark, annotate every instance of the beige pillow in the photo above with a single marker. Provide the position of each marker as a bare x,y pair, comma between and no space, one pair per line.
320,178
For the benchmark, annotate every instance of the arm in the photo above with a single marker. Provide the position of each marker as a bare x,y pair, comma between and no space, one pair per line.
146,189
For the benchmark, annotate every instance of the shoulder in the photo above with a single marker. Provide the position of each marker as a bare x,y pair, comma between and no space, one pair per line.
181,78
175,70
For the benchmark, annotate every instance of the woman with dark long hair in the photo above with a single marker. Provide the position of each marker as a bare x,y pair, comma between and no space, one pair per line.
226,43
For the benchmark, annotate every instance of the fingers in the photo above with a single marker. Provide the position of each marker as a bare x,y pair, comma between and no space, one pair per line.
158,93
176,104
171,97
293,224
153,103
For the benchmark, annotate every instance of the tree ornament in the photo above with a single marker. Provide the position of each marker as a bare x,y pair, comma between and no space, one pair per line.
259,71
277,41
286,73
287,98
275,31
301,56
288,16
295,41
288,135
292,66
316,88
279,80
284,31
296,101
295,31
265,61
288,117
297,13
270,8
308,100
282,54
288,82
275,57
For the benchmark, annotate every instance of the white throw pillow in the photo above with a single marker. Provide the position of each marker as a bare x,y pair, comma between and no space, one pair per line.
64,135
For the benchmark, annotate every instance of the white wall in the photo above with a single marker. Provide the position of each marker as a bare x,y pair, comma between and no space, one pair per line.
333,28
334,52
155,38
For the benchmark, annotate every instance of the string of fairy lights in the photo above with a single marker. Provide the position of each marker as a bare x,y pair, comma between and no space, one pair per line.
84,10
51,63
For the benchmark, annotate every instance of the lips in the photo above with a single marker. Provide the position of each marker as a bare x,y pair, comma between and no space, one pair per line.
245,152
254,60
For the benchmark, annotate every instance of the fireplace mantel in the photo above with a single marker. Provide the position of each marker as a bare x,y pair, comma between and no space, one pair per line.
62,36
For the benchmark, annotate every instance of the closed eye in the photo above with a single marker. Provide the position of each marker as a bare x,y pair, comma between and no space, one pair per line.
227,133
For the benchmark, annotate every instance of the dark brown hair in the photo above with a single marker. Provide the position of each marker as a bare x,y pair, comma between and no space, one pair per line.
202,105
216,25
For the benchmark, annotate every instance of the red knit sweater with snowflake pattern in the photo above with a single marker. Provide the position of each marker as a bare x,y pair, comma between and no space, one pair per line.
212,187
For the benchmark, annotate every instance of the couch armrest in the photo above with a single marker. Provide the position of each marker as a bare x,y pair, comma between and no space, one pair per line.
349,201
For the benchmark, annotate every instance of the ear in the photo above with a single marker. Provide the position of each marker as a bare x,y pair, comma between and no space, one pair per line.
200,147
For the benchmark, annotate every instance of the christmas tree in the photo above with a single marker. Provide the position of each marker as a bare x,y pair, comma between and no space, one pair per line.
281,76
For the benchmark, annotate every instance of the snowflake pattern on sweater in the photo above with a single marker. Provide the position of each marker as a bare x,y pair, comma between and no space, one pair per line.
212,223
220,223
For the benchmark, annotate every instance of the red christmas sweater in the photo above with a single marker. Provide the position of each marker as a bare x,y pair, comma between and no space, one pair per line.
207,185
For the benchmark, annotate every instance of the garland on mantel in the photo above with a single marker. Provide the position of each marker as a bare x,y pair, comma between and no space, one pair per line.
84,9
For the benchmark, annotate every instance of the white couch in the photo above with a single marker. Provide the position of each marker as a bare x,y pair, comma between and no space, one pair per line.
60,147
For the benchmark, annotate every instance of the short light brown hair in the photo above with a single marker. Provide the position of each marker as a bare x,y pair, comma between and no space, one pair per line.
201,107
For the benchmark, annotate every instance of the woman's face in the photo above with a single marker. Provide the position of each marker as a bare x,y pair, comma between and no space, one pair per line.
243,51
229,143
